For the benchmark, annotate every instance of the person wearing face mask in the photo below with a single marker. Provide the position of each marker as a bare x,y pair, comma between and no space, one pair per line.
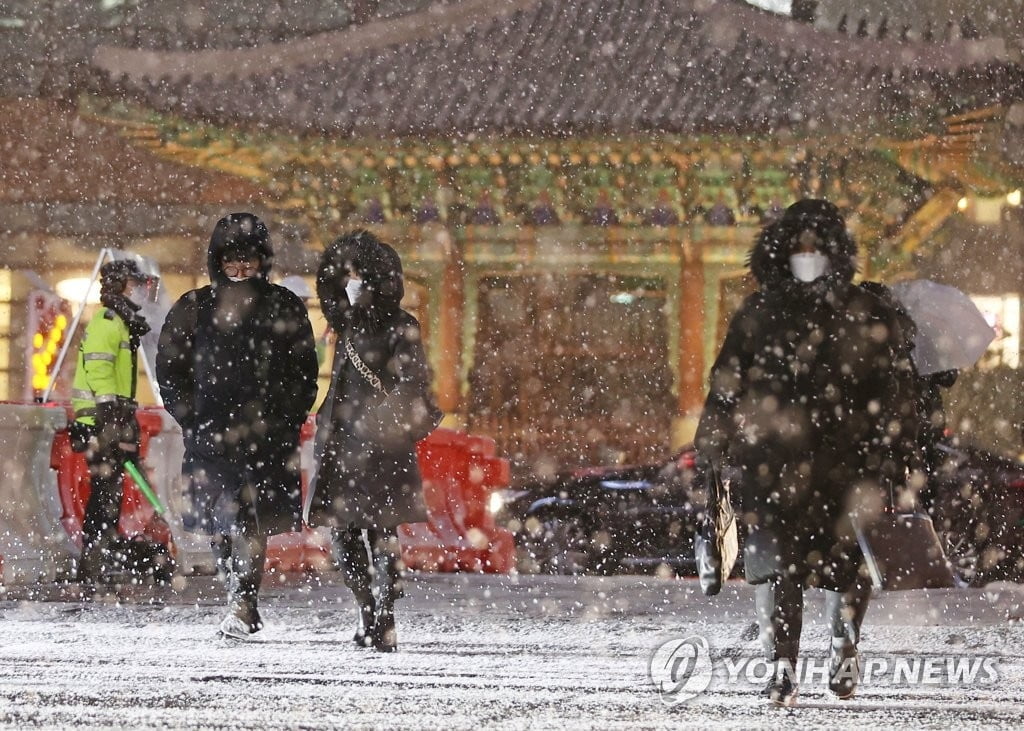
103,400
237,369
367,479
812,398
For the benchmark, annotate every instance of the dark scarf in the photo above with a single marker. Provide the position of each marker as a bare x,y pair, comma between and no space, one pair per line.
127,311
370,318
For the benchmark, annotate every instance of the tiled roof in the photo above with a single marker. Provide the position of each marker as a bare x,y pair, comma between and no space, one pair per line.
570,66
55,156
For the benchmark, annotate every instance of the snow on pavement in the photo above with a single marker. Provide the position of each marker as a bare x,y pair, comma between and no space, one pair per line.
475,652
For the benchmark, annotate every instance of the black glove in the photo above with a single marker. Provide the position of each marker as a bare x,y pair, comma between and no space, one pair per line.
115,421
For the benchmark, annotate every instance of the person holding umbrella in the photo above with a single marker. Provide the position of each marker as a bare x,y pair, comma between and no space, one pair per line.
812,398
950,335
237,370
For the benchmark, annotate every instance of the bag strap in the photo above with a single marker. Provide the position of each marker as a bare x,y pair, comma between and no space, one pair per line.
363,369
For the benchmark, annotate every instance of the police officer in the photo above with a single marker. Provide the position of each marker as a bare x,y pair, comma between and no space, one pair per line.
103,398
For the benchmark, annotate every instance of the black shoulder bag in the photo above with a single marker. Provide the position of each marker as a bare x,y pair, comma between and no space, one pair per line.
397,416
902,550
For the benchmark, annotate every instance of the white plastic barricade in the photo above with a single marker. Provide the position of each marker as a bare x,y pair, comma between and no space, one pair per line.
193,553
33,544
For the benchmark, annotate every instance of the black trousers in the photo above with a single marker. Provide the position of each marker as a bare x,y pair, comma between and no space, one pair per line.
106,482
780,612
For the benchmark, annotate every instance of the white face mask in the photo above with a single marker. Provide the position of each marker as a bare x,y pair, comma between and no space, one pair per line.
810,266
354,289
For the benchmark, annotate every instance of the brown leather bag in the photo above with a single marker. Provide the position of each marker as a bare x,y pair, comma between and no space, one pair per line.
716,543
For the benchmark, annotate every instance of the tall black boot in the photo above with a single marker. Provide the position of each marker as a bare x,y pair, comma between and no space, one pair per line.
780,606
845,613
386,576
248,553
102,513
91,562
352,558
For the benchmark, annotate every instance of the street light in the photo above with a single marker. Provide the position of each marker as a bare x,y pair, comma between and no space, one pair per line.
74,290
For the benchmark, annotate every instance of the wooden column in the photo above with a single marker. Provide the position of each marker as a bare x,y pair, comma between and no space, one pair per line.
447,380
691,342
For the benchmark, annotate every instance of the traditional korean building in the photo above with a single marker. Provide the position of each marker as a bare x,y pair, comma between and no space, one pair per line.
573,184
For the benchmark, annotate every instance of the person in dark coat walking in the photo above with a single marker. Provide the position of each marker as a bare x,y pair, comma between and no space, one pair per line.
812,398
237,369
368,480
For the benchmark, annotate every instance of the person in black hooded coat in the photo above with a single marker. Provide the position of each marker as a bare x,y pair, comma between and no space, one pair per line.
812,397
368,479
237,369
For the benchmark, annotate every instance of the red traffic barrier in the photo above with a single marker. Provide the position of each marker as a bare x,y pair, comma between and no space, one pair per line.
138,518
459,472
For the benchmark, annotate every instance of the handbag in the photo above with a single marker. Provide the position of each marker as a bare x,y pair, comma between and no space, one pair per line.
716,543
396,416
902,551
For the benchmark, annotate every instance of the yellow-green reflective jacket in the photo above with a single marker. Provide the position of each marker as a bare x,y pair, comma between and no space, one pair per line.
106,365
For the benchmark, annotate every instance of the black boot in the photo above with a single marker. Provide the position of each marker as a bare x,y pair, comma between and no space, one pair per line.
845,613
91,564
245,576
780,604
781,689
353,560
386,589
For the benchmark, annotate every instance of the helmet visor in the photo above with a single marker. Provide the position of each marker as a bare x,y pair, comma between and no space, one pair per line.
144,288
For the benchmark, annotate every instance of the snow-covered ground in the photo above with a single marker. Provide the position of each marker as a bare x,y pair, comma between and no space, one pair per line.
475,652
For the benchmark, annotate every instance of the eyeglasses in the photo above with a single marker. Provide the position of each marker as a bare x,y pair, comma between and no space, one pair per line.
245,268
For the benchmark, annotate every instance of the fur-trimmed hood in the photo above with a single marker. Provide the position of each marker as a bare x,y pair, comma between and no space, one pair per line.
381,269
242,232
769,258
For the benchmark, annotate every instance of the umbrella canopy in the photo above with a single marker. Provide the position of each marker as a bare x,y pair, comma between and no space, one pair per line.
952,334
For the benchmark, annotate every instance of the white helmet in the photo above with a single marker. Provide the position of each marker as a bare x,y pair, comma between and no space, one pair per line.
298,285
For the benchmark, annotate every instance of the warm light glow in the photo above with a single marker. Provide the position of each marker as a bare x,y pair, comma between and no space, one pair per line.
1003,314
962,204
74,290
37,341
1013,197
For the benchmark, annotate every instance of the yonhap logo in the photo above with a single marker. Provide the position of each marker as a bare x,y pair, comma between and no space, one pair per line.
681,669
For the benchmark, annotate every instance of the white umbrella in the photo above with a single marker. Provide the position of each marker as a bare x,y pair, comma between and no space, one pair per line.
952,334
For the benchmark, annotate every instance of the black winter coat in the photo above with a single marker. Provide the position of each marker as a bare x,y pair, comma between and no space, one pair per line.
812,398
368,478
237,369
367,470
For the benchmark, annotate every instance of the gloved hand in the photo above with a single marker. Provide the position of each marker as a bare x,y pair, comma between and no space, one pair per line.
115,421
